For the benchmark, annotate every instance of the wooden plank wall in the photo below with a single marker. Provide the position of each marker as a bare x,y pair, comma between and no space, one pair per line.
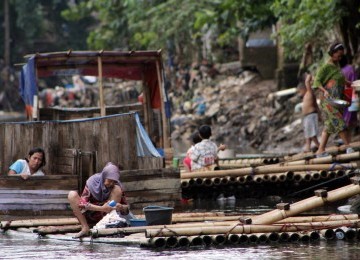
151,187
38,195
112,138
51,182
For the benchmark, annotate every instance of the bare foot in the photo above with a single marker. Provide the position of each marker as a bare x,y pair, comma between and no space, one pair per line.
82,233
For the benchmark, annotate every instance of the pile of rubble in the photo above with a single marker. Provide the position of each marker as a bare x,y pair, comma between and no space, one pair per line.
243,114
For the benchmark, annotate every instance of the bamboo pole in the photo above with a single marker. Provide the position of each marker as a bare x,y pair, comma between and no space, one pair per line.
273,237
307,204
332,150
267,169
207,240
183,241
101,87
243,239
234,239
306,219
158,242
284,237
171,242
219,239
57,229
185,183
324,160
163,99
195,240
244,229
294,237
38,222
328,234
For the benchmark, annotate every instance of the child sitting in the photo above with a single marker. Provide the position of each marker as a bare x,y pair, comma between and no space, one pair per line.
204,153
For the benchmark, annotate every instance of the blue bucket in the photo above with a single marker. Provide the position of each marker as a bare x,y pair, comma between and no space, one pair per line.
158,215
137,222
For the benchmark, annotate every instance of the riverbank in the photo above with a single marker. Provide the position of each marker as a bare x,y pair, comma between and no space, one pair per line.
244,114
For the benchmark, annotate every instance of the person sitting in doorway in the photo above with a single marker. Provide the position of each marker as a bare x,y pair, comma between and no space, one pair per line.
92,205
30,166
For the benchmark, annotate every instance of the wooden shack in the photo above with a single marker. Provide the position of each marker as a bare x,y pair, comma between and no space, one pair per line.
144,66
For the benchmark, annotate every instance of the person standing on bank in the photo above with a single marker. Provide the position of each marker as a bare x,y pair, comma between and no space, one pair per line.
331,82
310,111
92,205
30,166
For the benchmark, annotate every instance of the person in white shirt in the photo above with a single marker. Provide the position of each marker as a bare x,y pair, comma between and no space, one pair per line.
30,166
204,154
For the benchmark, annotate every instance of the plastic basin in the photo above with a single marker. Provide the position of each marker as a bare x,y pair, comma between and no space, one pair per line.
158,215
137,222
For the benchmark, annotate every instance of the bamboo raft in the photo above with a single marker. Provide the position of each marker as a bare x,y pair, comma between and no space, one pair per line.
287,176
281,225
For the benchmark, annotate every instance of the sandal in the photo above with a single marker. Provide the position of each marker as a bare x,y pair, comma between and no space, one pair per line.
321,155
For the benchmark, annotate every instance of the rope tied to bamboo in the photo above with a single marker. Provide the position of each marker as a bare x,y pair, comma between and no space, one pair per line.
323,225
333,165
288,225
233,227
283,214
161,234
252,171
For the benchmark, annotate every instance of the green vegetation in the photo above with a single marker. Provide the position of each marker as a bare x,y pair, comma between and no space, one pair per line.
178,27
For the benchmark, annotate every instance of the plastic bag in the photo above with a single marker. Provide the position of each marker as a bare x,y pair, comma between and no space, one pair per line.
110,220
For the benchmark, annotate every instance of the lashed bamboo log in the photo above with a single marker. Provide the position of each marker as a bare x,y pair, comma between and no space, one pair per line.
307,204
253,239
183,241
208,182
339,234
219,239
284,237
324,160
262,238
350,233
38,222
195,240
332,150
240,229
57,229
185,183
273,237
243,238
207,240
328,234
306,219
234,239
158,242
304,237
294,237
171,242
268,169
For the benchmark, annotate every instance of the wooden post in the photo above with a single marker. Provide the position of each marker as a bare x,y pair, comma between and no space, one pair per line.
101,88
166,137
146,106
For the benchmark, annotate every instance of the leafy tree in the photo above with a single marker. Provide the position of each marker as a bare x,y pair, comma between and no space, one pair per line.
317,22
111,30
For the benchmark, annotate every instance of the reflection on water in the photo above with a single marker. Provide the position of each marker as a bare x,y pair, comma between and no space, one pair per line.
12,247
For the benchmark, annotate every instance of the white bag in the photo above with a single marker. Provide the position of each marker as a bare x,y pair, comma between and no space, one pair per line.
109,219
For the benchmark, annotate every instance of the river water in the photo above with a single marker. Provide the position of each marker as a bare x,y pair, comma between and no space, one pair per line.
14,247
